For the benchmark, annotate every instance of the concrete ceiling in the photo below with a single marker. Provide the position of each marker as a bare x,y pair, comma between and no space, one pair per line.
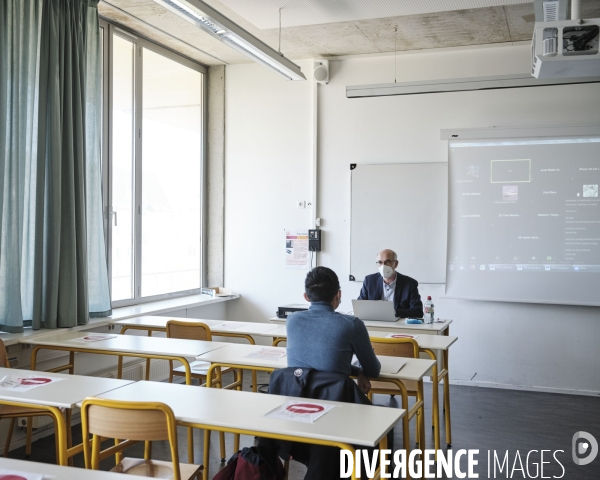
506,21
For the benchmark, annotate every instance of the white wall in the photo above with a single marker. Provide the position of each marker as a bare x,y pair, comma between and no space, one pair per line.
268,164
267,169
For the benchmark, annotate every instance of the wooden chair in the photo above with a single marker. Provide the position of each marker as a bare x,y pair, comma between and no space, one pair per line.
201,331
397,347
9,411
198,331
136,422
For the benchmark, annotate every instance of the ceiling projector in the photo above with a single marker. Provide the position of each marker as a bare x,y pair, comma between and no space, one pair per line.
564,48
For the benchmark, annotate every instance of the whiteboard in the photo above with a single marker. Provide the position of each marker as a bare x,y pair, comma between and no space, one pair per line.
402,206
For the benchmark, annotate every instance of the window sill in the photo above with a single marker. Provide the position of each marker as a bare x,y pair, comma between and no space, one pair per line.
121,313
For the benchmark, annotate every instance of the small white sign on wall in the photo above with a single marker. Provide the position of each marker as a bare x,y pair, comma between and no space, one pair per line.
296,249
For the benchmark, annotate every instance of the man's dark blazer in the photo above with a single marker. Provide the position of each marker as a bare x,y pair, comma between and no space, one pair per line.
407,301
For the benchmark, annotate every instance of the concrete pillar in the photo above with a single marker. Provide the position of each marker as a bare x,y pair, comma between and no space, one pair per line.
215,172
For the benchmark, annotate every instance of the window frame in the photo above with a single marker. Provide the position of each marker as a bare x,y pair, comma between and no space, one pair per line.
140,44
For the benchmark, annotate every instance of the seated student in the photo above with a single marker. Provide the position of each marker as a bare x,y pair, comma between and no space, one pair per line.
323,340
392,286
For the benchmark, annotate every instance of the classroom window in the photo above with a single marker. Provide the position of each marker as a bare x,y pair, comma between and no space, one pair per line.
154,172
171,146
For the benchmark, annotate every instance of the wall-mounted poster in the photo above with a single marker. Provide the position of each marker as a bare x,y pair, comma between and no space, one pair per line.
296,249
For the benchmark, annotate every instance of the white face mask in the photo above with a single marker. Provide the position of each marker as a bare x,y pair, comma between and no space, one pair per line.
385,271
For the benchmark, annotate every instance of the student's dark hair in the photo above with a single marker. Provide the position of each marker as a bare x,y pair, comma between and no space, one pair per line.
321,284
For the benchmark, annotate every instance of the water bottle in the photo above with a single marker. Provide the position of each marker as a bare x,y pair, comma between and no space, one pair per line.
428,311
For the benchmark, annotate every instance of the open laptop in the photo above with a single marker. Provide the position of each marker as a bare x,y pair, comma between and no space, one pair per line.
379,310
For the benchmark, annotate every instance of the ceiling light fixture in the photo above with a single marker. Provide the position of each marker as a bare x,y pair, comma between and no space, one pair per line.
220,27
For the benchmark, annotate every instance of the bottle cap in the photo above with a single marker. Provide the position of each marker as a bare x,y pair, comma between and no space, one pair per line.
428,297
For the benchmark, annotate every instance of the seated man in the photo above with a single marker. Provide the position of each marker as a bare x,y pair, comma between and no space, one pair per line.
324,340
390,285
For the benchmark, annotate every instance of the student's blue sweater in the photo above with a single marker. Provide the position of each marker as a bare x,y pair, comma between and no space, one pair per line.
325,340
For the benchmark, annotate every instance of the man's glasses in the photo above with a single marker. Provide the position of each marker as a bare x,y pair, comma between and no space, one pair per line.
388,263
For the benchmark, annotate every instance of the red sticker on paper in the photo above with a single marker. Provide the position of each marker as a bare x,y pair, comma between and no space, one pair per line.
305,408
11,477
34,381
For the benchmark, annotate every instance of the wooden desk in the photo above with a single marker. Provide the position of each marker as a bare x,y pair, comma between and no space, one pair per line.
54,396
243,413
60,472
182,351
235,356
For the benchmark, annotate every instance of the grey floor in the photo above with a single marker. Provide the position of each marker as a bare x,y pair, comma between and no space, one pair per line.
482,418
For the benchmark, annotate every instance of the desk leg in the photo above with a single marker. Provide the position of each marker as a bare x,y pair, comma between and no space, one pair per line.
69,433
28,437
72,362
421,415
406,424
206,454
147,376
62,437
120,367
188,370
222,446
447,400
33,359
435,405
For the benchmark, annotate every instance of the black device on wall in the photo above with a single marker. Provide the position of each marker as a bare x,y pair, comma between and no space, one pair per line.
314,240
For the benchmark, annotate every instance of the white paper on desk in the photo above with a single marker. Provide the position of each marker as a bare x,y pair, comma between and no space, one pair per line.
95,337
23,384
391,364
262,327
305,412
267,354
15,475
228,326
400,335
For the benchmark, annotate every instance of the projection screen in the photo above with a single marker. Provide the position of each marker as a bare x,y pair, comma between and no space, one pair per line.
524,219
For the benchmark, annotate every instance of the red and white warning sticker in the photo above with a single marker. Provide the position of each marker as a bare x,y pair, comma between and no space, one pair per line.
14,475
22,384
91,338
305,412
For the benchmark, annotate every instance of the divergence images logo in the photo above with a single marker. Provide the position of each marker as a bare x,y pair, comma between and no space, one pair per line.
587,447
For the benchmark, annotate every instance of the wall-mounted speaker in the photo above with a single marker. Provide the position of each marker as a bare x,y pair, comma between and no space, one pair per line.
321,71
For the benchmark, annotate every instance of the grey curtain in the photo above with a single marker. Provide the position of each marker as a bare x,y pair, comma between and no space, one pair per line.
19,48
52,261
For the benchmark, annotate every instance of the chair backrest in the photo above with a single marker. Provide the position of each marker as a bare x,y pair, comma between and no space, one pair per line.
396,347
140,425
134,421
188,330
3,356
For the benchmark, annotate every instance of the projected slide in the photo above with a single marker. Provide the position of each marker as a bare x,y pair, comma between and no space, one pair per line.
524,220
